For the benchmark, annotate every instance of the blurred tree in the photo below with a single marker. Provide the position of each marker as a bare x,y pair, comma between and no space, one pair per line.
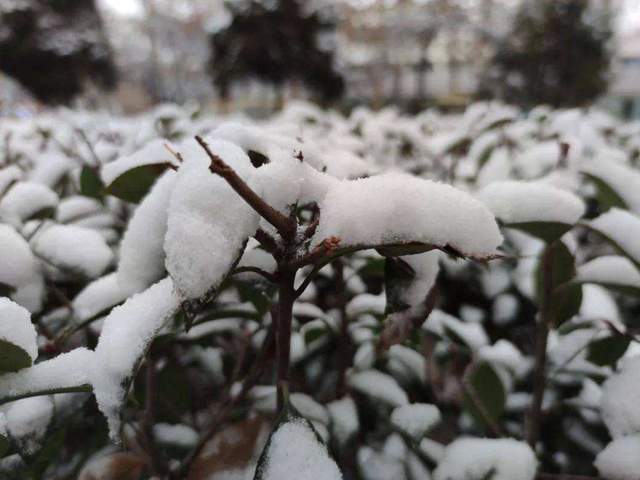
556,54
275,43
53,47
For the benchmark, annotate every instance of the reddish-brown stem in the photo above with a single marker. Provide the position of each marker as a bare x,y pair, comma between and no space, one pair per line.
283,224
286,297
534,417
148,420
344,343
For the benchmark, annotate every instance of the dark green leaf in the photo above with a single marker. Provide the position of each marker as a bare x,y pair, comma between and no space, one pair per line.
607,351
43,214
12,357
607,196
134,184
546,231
401,249
484,396
6,290
4,445
90,183
398,276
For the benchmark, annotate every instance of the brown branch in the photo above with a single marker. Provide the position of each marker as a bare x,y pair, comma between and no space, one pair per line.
266,241
283,224
325,249
534,417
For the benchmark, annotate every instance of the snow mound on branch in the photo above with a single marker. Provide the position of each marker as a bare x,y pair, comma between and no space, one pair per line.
141,251
295,452
153,152
28,420
97,296
622,228
520,202
620,459
74,249
416,418
397,208
609,269
380,386
208,221
67,370
126,335
475,458
16,327
24,200
20,269
623,180
620,400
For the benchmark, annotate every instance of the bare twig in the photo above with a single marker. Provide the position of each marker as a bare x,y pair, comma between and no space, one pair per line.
284,225
325,249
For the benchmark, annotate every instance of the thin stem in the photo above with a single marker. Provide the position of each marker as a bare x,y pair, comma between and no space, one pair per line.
344,343
286,294
148,420
283,224
542,337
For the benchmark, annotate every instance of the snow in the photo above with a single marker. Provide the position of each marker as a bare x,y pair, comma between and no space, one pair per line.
379,466
620,399
379,386
609,270
425,266
153,152
620,459
25,199
208,222
127,332
520,202
20,269
397,208
366,303
27,422
141,261
472,334
16,327
97,296
66,370
622,228
76,207
474,458
623,180
415,419
8,175
295,452
73,249
180,435
344,419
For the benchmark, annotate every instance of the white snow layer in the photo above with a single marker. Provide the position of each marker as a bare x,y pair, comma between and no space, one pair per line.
66,370
127,332
620,400
344,419
25,199
397,208
152,153
74,249
415,419
141,261
380,386
609,270
622,228
16,327
97,296
620,178
208,222
620,460
520,202
474,458
295,452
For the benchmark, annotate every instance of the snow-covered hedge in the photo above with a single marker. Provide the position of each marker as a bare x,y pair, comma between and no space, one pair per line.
392,297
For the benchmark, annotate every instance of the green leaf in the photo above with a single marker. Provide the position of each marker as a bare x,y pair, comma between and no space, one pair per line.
4,445
401,249
398,276
607,351
134,184
546,231
12,357
43,214
484,394
607,196
566,296
90,183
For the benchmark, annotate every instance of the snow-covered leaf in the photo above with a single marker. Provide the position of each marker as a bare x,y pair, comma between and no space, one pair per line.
18,348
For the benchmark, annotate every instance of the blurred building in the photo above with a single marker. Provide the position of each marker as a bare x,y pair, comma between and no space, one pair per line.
624,91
